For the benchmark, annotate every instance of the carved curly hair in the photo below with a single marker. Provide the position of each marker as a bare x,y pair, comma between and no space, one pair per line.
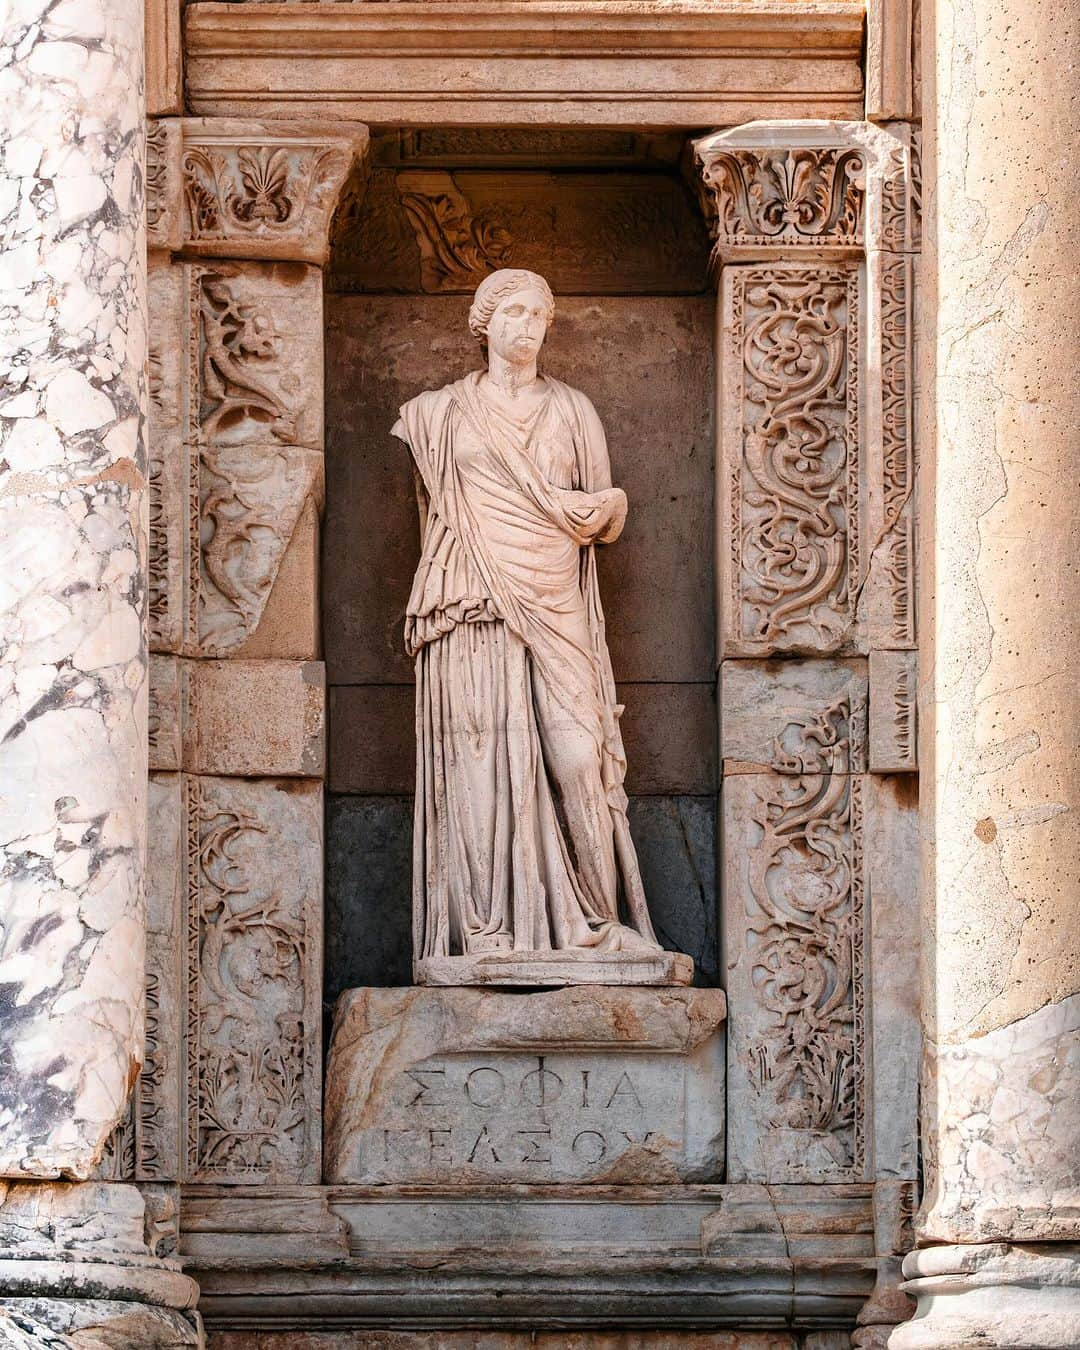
494,289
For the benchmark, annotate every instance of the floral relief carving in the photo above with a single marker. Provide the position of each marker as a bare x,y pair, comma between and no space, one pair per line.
158,560
157,172
798,196
898,470
253,1085
829,740
457,248
261,191
794,477
239,346
805,939
250,501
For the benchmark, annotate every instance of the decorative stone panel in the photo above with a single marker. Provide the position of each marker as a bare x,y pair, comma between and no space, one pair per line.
253,916
818,522
791,492
236,436
893,713
231,189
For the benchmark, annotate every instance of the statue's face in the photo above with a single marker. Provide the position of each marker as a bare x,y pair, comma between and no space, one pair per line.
518,327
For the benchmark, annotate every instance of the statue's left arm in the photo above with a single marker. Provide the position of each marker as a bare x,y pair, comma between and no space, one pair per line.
610,502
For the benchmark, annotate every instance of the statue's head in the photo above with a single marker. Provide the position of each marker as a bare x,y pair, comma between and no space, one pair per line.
511,312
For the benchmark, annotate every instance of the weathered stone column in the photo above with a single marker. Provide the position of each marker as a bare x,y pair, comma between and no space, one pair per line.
73,763
1000,695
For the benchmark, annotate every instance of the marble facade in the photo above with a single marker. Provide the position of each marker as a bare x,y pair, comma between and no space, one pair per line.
813,259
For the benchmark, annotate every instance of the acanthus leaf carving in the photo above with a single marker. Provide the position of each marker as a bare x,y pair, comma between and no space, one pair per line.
273,193
457,248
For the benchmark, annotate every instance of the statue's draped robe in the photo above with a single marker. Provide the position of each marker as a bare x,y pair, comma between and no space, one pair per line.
521,836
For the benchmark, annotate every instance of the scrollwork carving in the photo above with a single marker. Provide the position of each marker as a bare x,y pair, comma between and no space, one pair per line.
794,486
157,172
803,196
805,938
252,1104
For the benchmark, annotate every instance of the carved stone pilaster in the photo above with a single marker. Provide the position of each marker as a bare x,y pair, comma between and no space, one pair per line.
818,455
814,226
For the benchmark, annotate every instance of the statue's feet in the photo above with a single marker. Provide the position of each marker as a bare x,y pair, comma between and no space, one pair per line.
480,943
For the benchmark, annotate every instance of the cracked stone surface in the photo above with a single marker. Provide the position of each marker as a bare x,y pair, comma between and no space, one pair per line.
1001,730
72,579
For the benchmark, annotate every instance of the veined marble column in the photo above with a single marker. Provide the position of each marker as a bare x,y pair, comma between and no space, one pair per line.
73,692
1000,696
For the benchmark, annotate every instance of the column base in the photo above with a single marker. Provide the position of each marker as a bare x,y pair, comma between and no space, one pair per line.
1006,1295
77,1271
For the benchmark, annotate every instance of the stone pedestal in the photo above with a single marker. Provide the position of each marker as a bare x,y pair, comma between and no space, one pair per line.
79,1267
585,1085
1001,702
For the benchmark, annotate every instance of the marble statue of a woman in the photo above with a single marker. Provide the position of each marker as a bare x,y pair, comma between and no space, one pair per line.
524,871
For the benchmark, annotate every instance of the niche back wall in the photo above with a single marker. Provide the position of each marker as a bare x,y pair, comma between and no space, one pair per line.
396,324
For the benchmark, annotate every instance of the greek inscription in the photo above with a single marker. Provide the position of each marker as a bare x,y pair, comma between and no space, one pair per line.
483,1138
624,1088
485,1087
423,1098
589,1146
536,1145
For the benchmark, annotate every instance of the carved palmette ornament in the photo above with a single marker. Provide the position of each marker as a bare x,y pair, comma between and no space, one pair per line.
253,980
792,561
259,197
808,197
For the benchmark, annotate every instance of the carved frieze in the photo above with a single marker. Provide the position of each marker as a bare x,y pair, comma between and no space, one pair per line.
791,489
440,231
223,188
806,197
795,931
893,700
252,1109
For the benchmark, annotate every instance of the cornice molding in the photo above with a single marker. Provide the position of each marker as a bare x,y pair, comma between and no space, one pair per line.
536,62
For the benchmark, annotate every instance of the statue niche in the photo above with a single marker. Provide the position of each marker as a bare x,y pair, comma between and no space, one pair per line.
524,871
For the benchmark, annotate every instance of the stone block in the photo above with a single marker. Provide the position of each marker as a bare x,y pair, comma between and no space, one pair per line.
793,716
242,718
373,739
289,626
252,1109
466,1086
675,838
894,683
651,377
894,938
167,712
368,892
257,718
167,456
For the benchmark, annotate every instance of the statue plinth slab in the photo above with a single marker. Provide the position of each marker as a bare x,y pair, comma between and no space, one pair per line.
540,970
585,1085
